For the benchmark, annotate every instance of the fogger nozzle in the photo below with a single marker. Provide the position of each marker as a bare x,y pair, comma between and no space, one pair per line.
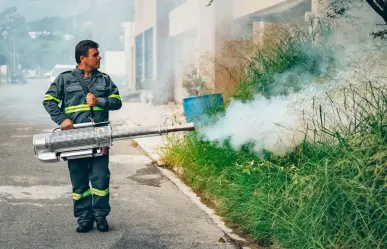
159,130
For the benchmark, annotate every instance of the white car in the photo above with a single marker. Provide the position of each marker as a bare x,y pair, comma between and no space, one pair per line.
58,69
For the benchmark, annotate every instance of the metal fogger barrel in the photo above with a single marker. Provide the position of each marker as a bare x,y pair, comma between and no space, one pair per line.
90,139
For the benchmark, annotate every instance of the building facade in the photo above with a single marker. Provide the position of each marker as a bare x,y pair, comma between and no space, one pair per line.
171,38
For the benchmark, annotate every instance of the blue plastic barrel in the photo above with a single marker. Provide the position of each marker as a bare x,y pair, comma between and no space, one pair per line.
197,109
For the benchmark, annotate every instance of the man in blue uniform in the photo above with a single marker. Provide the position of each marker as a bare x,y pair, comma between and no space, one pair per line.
84,94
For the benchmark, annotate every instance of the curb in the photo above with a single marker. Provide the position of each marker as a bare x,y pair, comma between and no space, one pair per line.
231,237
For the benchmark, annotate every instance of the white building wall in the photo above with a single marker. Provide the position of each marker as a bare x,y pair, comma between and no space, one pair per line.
115,63
184,17
129,53
197,31
244,7
144,15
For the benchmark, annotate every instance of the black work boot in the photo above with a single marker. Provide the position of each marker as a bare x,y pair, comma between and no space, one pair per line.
102,224
84,227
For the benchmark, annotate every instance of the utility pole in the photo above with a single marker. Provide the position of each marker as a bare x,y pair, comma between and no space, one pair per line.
14,55
75,21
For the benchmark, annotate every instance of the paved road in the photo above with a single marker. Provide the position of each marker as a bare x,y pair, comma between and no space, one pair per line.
148,211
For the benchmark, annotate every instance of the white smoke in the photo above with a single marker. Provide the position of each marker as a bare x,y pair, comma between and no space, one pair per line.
272,124
260,121
277,124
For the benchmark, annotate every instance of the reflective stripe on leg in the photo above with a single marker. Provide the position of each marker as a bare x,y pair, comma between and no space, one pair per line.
77,196
98,192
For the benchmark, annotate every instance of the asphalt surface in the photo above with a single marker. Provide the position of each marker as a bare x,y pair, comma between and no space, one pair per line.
148,211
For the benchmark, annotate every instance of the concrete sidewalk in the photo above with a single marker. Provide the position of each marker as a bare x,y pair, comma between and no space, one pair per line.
134,114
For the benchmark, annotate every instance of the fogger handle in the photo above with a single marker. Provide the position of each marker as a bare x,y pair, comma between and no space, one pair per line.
90,124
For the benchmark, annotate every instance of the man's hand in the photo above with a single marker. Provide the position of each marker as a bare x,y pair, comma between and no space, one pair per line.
67,124
91,100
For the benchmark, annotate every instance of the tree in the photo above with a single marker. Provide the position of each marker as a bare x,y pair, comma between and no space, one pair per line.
47,48
11,21
52,24
338,8
11,28
209,4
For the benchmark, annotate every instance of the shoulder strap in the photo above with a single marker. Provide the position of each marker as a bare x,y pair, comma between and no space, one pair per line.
85,89
82,81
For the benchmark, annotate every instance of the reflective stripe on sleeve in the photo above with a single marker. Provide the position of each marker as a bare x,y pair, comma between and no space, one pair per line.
50,97
115,96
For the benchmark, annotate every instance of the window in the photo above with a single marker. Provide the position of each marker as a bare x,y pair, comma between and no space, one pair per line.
139,58
148,37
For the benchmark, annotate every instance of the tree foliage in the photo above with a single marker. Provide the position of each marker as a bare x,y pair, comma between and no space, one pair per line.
338,8
12,25
47,48
11,21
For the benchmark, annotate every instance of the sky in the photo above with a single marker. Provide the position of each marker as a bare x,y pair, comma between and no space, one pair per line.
47,8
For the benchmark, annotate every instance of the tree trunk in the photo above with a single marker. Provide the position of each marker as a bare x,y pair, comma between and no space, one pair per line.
380,7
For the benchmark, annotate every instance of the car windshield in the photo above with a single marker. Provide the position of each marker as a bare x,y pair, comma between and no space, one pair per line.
58,71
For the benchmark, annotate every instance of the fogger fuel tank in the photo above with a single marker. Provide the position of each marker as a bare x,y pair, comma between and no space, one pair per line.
90,139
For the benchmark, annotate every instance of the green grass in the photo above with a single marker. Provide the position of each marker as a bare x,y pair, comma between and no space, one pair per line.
317,196
328,192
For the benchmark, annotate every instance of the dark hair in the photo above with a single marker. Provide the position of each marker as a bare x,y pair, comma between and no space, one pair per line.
82,48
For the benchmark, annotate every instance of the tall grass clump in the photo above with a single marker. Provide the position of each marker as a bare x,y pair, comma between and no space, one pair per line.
337,195
285,62
329,191
237,183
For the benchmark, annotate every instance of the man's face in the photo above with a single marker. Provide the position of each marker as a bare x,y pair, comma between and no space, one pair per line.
93,60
